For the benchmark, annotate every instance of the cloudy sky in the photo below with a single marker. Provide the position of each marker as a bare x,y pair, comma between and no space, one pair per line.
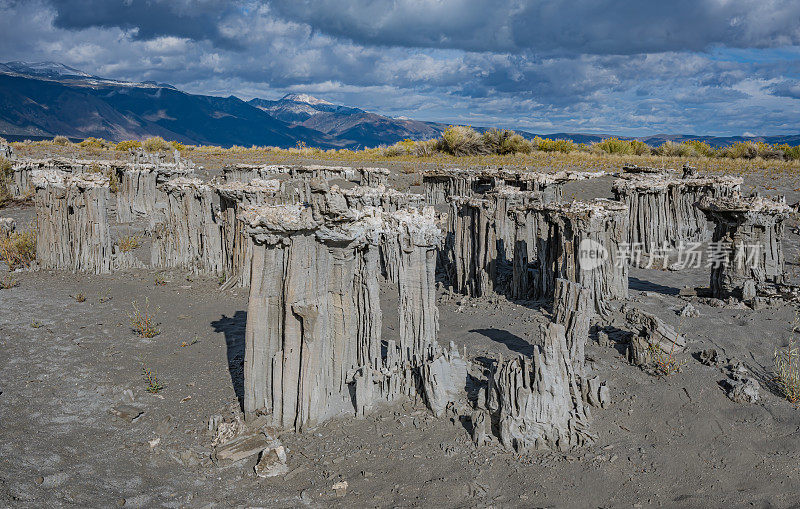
629,67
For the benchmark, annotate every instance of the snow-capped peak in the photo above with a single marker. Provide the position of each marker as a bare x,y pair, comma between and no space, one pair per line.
303,98
50,69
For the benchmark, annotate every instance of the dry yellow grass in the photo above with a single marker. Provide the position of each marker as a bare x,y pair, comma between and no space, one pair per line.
408,161
18,249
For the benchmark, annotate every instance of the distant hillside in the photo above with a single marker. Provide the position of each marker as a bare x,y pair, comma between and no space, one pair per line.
343,122
82,106
45,99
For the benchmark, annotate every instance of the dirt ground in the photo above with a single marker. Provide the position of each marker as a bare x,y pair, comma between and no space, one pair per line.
675,441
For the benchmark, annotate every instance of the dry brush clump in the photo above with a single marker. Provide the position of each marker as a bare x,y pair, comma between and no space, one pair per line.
787,372
129,242
143,322
18,249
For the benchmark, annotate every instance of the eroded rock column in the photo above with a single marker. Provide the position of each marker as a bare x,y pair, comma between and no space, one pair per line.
747,245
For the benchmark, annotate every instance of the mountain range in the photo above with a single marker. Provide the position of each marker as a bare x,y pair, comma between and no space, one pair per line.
44,99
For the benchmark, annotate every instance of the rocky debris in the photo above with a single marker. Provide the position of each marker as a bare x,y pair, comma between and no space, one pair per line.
244,446
598,393
480,427
689,172
577,241
126,412
340,488
651,333
710,357
225,429
444,380
744,390
272,462
7,226
537,401
661,211
688,311
749,232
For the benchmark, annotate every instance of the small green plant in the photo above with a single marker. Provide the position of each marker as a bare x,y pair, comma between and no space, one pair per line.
79,297
143,321
35,324
151,379
665,363
104,296
128,243
160,280
190,343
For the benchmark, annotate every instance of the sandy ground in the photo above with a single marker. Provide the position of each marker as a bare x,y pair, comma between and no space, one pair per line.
674,441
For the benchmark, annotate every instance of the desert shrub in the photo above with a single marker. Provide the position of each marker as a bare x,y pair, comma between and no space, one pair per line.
701,148
672,149
61,140
787,371
790,153
461,141
505,141
143,322
5,175
614,146
767,151
640,148
393,151
493,138
180,147
515,144
127,145
94,143
548,145
128,243
740,150
425,148
156,144
18,249
151,379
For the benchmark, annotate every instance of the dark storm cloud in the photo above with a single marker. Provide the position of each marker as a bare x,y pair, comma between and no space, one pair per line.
195,19
558,26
